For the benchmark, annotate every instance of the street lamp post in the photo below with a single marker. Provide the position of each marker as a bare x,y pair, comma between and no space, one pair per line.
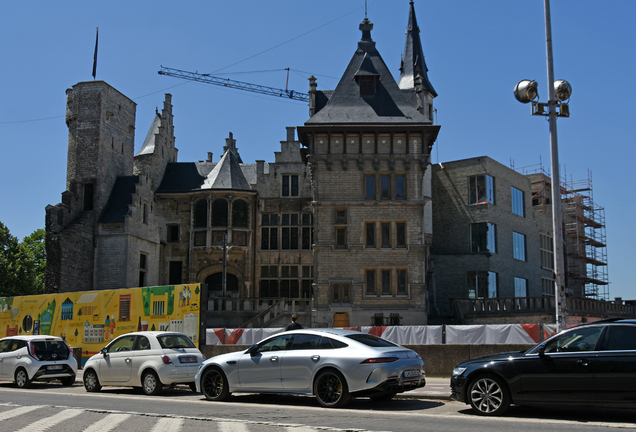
560,91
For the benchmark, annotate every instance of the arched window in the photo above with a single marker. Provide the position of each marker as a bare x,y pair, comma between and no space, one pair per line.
219,213
201,214
239,213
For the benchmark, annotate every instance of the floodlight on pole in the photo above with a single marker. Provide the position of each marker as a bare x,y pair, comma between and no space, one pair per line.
559,92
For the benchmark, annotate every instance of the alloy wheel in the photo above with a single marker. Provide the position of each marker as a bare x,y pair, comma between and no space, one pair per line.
213,385
488,396
331,389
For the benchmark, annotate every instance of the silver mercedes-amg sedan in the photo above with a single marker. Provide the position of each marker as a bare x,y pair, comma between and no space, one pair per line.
335,365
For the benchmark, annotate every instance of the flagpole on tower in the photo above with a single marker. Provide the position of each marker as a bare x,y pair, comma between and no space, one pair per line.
95,55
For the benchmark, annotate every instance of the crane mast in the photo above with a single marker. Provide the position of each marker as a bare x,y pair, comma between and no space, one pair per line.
225,82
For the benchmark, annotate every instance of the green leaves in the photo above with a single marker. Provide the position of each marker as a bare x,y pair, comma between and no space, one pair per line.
22,265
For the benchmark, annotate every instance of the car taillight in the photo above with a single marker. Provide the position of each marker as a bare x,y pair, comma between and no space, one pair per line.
166,359
31,350
380,360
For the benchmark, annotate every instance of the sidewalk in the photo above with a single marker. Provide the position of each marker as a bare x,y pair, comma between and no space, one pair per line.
435,388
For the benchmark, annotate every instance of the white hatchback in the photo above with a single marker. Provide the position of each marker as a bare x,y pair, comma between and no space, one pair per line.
149,360
28,358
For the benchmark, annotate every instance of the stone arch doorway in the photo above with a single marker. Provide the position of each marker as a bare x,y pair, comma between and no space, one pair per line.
215,285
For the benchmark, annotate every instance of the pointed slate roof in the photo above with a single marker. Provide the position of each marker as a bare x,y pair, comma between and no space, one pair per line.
413,63
227,174
149,143
389,104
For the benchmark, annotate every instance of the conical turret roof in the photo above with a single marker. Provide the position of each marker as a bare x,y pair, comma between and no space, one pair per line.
148,146
413,63
227,174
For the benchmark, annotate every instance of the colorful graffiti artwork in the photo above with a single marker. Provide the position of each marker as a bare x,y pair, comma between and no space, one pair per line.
91,319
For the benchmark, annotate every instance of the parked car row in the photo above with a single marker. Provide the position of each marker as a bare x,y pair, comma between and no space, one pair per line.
335,365
588,365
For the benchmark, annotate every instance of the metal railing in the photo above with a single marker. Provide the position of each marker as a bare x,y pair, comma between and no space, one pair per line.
267,309
467,308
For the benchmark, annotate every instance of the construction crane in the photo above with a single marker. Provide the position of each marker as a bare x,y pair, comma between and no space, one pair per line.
225,82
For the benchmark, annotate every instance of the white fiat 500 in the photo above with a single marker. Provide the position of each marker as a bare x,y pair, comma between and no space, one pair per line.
28,358
149,360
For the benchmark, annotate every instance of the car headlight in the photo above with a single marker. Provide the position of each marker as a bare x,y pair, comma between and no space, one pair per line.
458,371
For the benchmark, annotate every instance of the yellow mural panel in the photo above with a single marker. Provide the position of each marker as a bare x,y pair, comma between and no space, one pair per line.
91,319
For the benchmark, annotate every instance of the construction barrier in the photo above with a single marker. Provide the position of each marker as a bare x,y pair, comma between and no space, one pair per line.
410,335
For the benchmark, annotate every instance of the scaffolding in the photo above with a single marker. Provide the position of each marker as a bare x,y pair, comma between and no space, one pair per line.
583,230
585,238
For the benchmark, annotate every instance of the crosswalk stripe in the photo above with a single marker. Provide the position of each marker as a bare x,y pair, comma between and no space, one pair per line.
45,423
167,424
108,423
18,411
232,427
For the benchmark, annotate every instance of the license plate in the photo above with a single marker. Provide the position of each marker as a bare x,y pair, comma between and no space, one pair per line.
187,359
411,374
55,367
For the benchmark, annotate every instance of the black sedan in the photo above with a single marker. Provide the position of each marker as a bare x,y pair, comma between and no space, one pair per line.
589,365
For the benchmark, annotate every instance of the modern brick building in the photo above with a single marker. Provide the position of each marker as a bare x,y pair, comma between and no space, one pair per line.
490,241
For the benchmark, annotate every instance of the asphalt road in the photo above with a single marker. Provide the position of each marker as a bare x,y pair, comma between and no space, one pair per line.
52,407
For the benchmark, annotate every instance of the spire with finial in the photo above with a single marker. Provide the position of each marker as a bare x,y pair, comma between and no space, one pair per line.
413,63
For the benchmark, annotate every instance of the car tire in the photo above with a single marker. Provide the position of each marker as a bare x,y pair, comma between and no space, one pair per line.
68,381
214,385
331,389
151,384
383,397
91,382
22,378
488,395
193,387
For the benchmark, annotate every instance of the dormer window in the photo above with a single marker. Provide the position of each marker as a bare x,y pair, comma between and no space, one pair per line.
367,76
367,85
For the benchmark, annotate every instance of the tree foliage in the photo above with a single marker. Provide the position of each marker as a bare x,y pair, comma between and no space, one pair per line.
22,265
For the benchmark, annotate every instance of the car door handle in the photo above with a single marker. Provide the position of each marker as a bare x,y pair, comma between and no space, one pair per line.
273,359
583,362
128,360
315,357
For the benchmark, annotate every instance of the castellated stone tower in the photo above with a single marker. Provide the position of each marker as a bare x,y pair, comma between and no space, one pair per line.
101,124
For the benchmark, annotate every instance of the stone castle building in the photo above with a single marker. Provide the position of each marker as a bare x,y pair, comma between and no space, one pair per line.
342,217
350,224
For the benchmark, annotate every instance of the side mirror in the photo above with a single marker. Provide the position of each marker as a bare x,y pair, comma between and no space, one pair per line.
541,350
252,349
104,352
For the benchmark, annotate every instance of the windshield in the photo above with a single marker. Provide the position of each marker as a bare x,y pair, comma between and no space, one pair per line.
175,341
372,341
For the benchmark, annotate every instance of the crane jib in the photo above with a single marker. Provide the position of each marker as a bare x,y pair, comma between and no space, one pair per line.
225,82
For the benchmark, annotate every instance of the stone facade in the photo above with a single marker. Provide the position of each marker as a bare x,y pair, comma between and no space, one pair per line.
342,217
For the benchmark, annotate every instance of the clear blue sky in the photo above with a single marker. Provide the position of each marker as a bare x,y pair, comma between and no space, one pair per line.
476,52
